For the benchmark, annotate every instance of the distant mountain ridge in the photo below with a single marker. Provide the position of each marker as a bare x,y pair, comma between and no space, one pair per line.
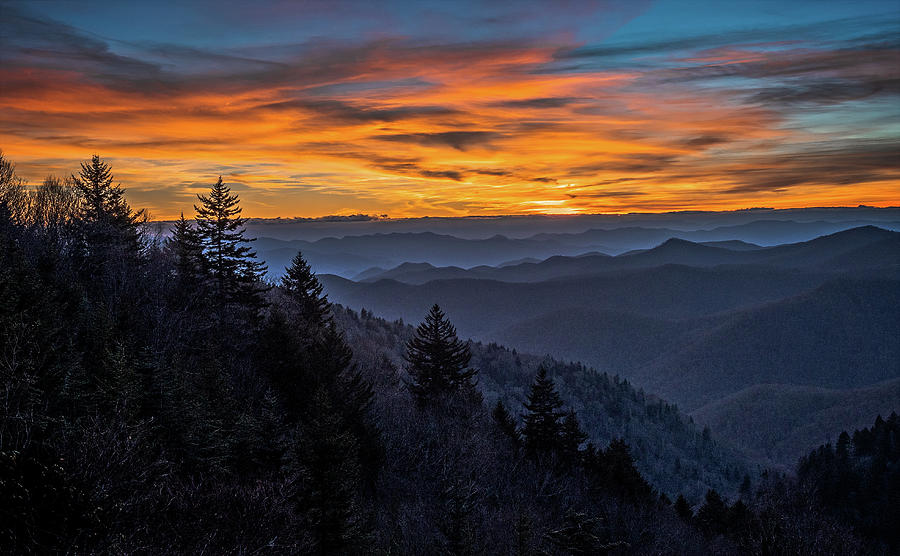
693,323
669,291
820,251
350,255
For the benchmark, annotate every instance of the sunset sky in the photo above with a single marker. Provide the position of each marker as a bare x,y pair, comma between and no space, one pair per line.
460,108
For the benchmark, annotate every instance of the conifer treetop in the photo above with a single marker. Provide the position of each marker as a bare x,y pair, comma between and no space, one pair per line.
236,274
438,358
187,247
542,428
304,288
102,201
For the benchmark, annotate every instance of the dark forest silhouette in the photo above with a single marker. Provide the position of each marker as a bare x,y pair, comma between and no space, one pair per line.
160,396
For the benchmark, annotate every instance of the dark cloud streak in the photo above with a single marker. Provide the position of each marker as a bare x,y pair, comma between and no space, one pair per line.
459,140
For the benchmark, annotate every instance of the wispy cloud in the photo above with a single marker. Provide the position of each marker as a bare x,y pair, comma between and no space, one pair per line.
490,112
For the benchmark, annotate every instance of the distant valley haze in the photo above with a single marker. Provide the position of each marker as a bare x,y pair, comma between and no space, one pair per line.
712,324
369,248
679,303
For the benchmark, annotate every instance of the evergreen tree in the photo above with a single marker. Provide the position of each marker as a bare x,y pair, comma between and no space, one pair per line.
438,360
543,426
332,363
612,471
330,470
305,289
505,422
683,509
186,246
302,351
236,274
322,349
712,517
108,244
571,437
738,519
622,476
109,223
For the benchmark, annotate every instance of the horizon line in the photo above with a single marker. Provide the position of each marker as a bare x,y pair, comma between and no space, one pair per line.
362,217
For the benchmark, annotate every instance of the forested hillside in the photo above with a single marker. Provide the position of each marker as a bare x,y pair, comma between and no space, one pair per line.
858,479
675,455
158,396
844,334
777,423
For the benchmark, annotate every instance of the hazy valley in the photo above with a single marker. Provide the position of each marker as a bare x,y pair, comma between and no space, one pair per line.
711,328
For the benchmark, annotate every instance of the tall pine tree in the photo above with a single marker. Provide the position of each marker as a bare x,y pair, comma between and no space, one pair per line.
330,473
315,355
571,437
505,422
110,229
438,359
305,290
187,248
235,273
543,422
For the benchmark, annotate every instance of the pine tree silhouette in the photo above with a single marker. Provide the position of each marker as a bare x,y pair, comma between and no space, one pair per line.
505,422
235,272
683,509
542,428
438,359
110,229
305,289
571,438
712,516
187,247
319,358
620,474
331,474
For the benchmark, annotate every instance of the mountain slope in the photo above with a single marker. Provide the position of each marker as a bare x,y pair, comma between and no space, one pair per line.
668,292
613,341
733,244
845,334
812,315
779,423
673,453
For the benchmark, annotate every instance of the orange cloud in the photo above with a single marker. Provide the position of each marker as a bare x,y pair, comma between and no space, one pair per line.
498,128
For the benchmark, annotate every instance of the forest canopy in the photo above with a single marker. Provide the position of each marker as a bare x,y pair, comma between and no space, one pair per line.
158,394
